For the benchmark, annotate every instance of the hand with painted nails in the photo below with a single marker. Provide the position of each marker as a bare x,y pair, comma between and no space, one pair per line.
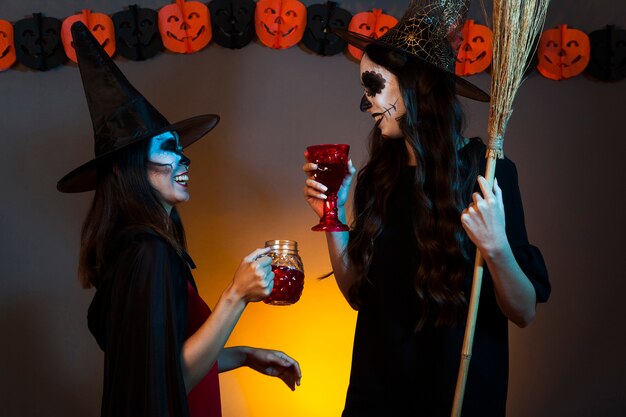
483,220
254,278
314,191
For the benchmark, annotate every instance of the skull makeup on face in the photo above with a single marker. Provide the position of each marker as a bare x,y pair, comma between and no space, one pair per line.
475,51
233,22
99,24
167,169
185,26
373,24
280,24
608,54
38,42
137,33
563,53
382,98
321,18
7,50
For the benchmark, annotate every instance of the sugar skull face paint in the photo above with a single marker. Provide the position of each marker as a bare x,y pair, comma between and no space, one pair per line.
383,98
373,82
167,169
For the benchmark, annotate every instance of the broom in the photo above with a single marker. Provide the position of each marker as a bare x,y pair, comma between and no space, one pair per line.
516,24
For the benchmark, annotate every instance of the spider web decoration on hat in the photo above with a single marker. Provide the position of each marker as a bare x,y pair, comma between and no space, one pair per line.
427,30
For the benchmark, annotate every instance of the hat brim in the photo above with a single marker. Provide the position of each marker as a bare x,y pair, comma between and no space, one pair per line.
84,178
463,87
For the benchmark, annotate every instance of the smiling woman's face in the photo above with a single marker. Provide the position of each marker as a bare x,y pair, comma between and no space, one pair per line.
382,99
167,169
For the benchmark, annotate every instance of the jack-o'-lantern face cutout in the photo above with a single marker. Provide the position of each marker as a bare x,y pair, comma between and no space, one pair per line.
373,24
476,49
38,42
608,54
280,24
137,33
7,50
99,24
185,26
233,22
321,19
563,53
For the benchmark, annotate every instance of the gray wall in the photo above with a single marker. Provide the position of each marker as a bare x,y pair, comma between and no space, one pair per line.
567,139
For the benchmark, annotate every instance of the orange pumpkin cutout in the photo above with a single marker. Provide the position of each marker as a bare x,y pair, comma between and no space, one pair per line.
373,24
476,49
7,48
280,24
185,26
563,53
100,25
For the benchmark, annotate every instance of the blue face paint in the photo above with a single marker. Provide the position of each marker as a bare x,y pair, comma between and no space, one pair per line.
166,150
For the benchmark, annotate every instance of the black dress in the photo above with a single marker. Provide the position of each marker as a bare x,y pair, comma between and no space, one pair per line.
399,372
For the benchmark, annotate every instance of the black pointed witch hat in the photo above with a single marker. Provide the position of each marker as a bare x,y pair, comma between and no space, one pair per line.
120,115
425,33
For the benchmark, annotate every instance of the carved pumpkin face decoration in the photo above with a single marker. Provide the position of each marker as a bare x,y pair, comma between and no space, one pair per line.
373,24
321,19
476,49
280,24
137,33
99,24
38,42
185,26
563,53
7,50
608,54
233,22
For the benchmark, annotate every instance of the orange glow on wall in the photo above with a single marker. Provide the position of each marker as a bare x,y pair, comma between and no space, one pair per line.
317,331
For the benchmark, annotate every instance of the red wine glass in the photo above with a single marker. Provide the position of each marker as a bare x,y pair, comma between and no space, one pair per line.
332,168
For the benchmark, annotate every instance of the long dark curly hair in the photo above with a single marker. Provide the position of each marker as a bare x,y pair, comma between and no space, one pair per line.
124,199
432,129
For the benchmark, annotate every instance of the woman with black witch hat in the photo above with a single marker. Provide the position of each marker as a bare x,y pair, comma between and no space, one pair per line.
163,345
406,265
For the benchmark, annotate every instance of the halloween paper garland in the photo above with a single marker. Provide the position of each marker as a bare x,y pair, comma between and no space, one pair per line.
40,46
374,24
185,26
563,53
137,34
7,48
475,49
99,24
42,42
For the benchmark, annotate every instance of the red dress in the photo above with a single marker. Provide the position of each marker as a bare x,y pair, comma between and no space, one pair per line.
204,398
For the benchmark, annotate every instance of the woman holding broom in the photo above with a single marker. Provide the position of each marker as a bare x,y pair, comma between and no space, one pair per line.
419,215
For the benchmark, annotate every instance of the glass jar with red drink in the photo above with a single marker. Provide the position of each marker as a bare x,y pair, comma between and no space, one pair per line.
288,272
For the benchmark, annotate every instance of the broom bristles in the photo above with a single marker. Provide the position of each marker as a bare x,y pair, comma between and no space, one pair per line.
516,25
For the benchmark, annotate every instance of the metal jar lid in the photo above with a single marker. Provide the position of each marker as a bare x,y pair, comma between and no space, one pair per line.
290,246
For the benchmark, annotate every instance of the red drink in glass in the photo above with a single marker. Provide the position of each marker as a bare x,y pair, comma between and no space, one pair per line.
332,168
331,175
288,272
288,286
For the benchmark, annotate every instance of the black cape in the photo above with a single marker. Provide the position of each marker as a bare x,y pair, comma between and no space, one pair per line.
139,317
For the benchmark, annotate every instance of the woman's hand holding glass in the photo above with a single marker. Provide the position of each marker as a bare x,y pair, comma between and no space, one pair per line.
314,191
254,278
